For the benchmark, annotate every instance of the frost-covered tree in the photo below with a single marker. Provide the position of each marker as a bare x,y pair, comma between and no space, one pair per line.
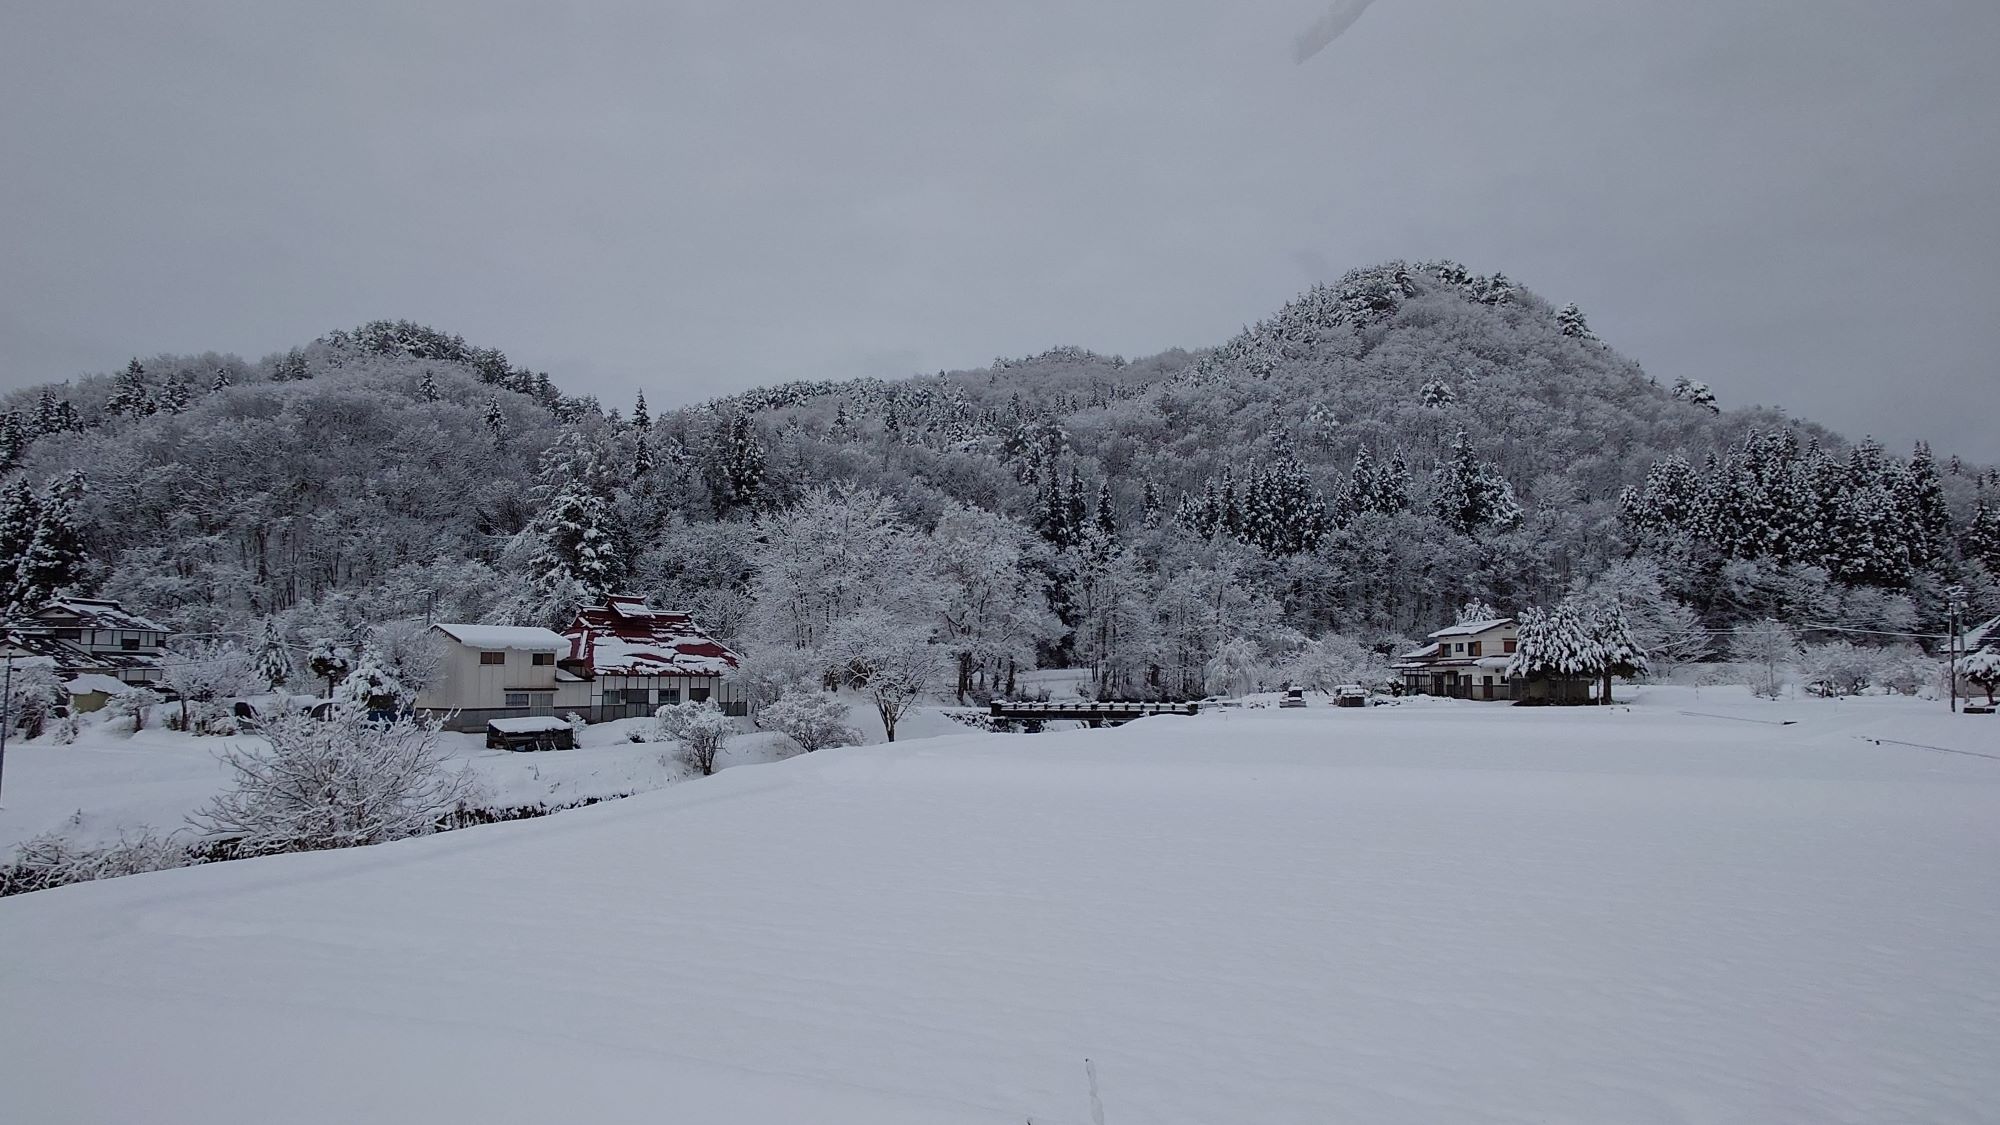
203,673
1470,495
699,726
892,659
272,660
1570,321
1555,644
341,782
1695,393
130,396
1477,610
371,689
1436,394
132,705
1983,670
56,559
495,418
813,719
1980,539
1615,649
1769,647
1237,668
330,661
990,603
737,476
33,697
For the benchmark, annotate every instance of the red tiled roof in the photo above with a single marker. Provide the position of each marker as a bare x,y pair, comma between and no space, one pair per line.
626,637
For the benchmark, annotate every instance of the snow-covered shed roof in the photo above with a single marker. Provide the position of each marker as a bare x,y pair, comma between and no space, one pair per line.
1472,628
95,613
519,638
528,724
626,637
95,682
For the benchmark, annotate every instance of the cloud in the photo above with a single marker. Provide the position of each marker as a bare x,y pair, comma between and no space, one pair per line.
1327,28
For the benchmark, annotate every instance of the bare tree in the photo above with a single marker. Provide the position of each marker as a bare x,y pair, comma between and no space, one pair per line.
700,727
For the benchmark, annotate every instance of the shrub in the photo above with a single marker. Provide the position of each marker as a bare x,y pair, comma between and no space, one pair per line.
813,719
700,728
336,783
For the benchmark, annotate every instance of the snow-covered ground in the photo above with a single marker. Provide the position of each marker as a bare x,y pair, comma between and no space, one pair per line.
1439,912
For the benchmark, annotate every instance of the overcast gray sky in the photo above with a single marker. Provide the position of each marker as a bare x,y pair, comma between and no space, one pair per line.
1794,201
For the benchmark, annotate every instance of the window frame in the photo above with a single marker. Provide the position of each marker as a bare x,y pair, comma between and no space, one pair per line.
487,658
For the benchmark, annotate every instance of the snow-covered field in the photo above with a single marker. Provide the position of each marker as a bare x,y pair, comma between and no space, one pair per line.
1430,913
112,783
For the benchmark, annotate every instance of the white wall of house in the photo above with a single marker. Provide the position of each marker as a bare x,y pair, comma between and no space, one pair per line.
472,678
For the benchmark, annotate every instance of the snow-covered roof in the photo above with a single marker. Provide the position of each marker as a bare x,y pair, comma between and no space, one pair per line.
1979,636
529,724
96,613
1472,628
519,638
626,637
92,681
1424,653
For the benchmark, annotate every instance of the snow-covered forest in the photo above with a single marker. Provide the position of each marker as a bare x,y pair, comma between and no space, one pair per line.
1348,472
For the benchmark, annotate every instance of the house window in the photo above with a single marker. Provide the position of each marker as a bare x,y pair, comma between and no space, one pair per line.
698,695
537,702
637,695
129,644
1509,645
543,659
494,658
517,699
670,695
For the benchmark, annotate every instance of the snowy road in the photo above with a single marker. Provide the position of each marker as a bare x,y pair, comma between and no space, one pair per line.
1453,915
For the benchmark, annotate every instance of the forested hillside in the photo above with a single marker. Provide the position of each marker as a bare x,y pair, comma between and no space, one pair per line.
1348,472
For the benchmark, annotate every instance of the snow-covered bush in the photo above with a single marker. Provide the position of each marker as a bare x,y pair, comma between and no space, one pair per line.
205,673
409,651
1326,663
335,783
66,729
130,707
576,725
813,719
372,688
1983,670
32,699
700,727
54,860
330,661
1837,668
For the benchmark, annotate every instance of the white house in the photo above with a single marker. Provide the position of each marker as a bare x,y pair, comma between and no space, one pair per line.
502,671
1465,661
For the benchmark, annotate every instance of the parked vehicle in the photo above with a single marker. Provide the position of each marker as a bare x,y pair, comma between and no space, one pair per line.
1293,697
1350,695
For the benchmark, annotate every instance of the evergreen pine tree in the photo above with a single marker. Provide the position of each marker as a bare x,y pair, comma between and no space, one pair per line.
1075,512
20,518
742,469
1107,520
49,413
642,418
643,461
427,388
14,440
1150,505
273,661
1981,538
55,560
221,380
175,396
1437,394
129,394
1926,515
1469,494
495,418
1570,320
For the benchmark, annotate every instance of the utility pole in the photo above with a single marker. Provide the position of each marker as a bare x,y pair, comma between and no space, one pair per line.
1954,612
6,704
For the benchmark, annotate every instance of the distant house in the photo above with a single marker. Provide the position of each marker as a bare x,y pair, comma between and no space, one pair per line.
619,660
637,658
1464,661
95,637
501,671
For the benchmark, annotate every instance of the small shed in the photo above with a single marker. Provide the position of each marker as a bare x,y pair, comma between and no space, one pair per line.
92,690
531,732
